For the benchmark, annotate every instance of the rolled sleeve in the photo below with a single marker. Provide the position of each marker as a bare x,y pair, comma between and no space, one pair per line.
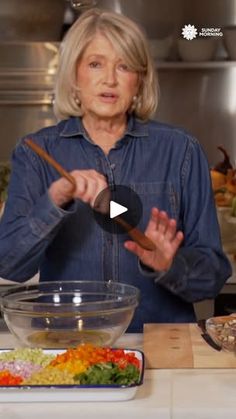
47,215
174,279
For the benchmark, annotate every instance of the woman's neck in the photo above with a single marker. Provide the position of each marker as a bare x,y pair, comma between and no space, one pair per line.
105,132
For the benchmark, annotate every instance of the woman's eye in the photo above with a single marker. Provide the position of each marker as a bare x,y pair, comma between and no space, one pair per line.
94,64
123,67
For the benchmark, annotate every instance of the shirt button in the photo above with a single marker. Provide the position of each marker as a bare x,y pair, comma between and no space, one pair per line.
113,166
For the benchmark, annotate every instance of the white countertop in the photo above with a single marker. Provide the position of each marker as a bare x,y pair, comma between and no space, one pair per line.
165,394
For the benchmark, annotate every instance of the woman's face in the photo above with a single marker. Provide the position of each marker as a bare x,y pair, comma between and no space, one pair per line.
107,85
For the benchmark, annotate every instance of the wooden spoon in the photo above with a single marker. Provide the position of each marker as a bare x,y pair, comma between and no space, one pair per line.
134,233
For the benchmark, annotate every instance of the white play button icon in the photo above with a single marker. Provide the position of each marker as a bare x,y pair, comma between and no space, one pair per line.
115,205
116,209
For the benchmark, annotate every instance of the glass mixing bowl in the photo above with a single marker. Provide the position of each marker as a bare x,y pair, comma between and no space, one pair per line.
62,314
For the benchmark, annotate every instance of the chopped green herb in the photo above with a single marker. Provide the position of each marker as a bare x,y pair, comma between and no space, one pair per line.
109,373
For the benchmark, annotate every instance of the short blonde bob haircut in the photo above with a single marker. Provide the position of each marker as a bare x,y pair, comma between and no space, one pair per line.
128,40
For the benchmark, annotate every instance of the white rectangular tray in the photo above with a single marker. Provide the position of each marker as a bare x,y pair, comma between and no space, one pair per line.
71,393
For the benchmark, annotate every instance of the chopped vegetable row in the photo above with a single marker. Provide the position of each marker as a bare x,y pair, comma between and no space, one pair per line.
85,364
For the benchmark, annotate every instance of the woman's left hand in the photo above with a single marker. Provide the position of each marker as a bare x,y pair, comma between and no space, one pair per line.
162,231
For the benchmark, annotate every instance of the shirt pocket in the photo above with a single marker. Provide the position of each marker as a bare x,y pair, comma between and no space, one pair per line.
157,194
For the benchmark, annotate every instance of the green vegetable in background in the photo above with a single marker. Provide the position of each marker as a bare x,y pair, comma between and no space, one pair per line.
5,171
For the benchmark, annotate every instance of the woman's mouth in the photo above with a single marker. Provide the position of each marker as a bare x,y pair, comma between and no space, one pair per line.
108,97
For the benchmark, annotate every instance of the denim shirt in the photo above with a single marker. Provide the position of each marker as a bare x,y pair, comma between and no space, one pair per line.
167,169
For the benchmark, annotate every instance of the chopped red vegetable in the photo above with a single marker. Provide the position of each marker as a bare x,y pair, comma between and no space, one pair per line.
8,379
91,355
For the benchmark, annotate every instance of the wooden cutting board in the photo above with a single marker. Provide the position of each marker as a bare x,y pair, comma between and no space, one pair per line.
175,345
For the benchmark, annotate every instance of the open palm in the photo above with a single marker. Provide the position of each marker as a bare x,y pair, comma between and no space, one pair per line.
162,231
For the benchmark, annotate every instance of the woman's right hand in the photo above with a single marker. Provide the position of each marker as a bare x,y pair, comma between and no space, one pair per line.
89,183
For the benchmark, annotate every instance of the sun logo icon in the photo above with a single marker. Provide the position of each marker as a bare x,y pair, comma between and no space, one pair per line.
189,32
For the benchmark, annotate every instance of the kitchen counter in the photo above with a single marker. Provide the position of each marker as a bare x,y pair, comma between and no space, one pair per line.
165,394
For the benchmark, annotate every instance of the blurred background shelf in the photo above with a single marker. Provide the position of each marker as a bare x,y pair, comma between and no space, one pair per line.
175,65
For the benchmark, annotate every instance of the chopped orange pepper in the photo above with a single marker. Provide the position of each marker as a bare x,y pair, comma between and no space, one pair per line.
90,355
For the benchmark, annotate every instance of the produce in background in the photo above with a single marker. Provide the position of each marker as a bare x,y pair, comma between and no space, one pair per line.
5,172
223,177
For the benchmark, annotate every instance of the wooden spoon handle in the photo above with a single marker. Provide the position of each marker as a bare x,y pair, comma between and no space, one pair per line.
134,233
42,153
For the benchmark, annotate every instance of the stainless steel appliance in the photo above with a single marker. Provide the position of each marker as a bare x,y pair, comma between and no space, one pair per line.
27,71
31,20
202,99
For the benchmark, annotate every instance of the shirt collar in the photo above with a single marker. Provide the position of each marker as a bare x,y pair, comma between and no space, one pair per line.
74,127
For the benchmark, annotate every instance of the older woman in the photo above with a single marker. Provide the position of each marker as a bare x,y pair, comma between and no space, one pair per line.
105,94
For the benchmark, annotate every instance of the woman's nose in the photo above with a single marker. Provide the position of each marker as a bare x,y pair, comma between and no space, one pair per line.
110,75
